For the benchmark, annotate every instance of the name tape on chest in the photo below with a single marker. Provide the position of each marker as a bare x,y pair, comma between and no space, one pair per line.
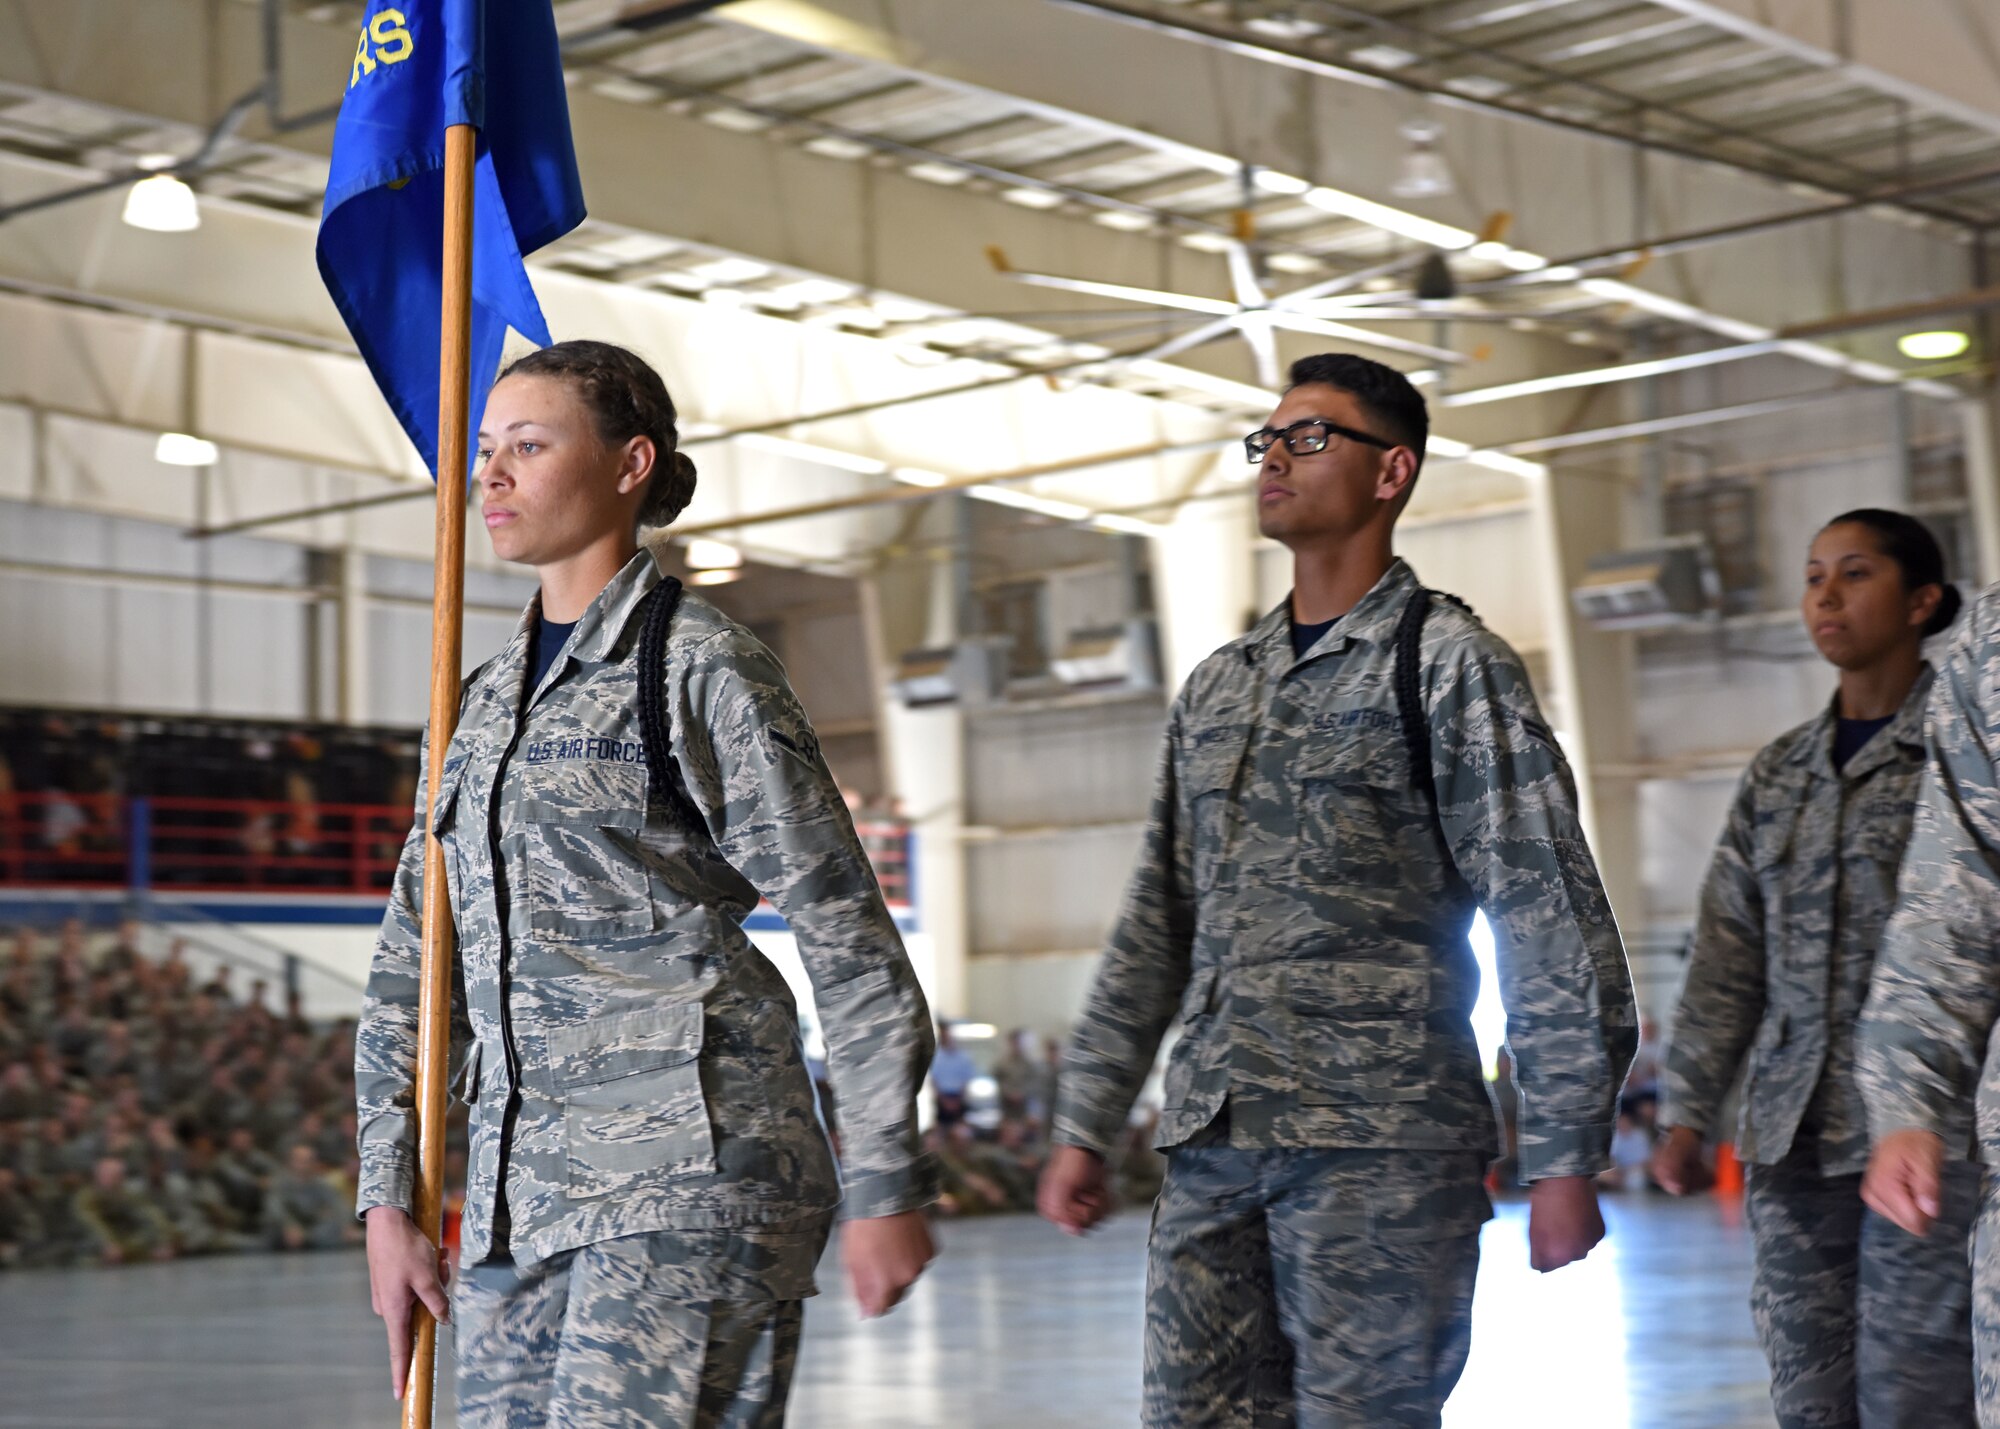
605,751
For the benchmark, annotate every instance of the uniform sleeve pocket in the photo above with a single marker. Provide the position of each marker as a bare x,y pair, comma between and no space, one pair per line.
444,809
1358,1030
634,1114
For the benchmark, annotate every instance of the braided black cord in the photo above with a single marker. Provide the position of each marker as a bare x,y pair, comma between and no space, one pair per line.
1409,692
656,726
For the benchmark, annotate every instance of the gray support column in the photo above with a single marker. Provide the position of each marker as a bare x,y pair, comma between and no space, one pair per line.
908,605
351,641
1594,679
1204,581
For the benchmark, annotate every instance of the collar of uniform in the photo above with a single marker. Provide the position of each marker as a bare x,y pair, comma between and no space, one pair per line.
1372,619
604,620
1905,727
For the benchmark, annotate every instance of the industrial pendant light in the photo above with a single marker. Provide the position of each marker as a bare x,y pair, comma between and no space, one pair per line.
162,203
1424,173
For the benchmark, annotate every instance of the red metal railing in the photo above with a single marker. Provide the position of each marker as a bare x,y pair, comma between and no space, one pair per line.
253,845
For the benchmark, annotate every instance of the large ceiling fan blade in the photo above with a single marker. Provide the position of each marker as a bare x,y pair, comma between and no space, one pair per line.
1124,292
1264,349
1193,337
1295,322
1494,230
1243,277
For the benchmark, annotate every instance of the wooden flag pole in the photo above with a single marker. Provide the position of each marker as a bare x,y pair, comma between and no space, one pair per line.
447,620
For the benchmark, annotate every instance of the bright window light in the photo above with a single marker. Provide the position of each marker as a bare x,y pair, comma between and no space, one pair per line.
1489,1016
705,555
162,204
1933,346
180,449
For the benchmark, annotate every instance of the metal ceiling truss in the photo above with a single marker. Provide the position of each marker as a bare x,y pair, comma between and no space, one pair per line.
1667,77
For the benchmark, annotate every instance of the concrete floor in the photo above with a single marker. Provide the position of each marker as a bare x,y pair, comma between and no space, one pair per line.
1016,1328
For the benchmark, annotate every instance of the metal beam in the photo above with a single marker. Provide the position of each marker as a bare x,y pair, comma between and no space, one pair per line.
896,495
1295,55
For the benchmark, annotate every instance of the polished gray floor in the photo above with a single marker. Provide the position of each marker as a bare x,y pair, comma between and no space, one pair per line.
1015,1327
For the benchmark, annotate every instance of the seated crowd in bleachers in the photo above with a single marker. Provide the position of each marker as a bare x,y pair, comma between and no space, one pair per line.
148,1114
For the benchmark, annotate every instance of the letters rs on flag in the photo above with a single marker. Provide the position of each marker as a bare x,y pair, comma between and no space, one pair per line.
420,66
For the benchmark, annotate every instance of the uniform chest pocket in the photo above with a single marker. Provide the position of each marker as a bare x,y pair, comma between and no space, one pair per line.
1358,1030
633,1110
1210,775
1358,809
586,872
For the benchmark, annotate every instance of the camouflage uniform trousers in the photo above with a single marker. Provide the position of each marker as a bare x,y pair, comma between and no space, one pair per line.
1327,1289
1864,1325
1986,1305
624,1335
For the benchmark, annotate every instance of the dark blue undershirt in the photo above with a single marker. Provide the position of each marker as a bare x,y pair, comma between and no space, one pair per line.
1849,735
549,641
1304,637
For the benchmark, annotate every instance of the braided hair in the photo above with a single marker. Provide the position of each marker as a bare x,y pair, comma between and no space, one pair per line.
626,399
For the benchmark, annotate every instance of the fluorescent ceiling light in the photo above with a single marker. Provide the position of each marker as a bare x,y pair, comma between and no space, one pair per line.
813,452
1032,198
706,555
918,476
180,449
715,577
1123,220
162,204
1933,346
1382,57
1027,501
833,146
741,121
932,172
729,270
810,292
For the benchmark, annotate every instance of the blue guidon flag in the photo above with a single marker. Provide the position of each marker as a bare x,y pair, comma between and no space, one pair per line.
420,66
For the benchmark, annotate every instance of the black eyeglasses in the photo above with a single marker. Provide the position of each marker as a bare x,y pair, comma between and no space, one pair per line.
1305,438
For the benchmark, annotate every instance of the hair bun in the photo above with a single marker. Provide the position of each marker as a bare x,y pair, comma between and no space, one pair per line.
684,467
1949,605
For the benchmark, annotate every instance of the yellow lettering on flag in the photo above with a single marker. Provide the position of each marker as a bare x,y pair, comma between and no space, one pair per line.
364,63
387,31
392,42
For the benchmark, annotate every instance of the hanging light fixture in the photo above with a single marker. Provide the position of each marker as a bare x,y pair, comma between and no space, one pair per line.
1424,173
1939,346
162,203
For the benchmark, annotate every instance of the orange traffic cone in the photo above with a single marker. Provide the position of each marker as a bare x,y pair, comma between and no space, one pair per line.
1728,1171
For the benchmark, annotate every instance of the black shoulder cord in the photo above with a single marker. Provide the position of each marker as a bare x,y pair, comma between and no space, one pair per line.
1409,687
656,726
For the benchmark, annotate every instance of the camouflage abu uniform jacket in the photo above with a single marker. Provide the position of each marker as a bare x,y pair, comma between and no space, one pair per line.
606,988
1791,915
1296,905
1927,1052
